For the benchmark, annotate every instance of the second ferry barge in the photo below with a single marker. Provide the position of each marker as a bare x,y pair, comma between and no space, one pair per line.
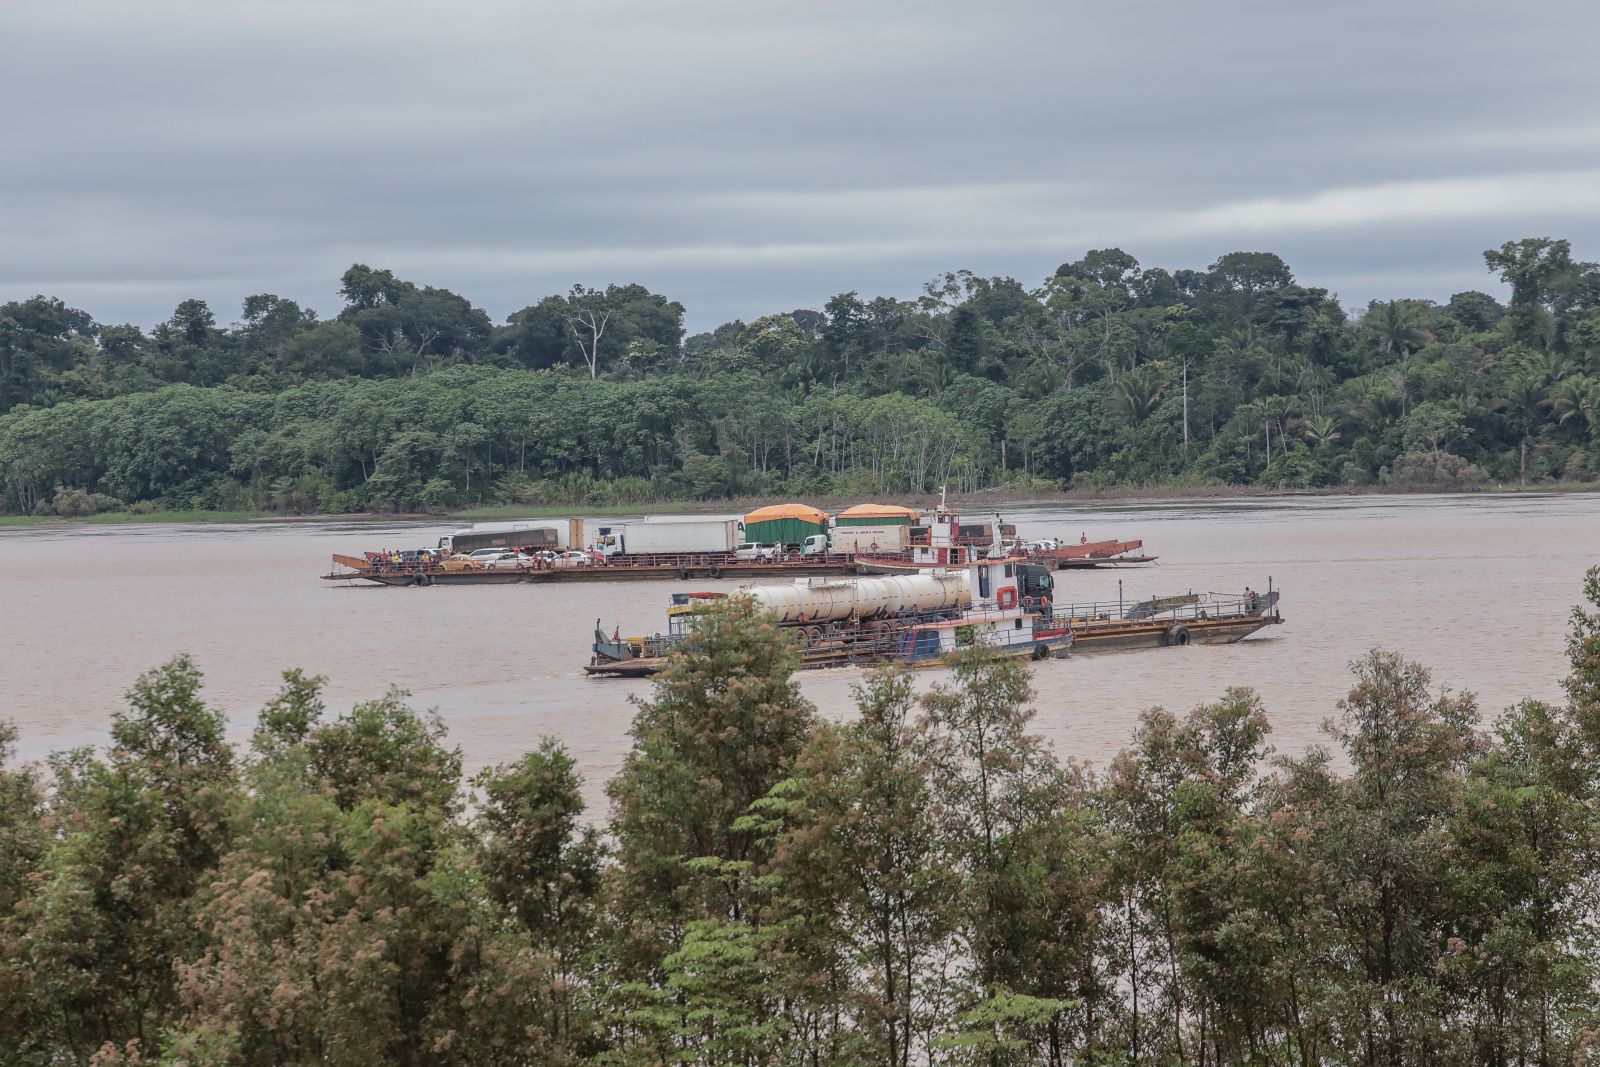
952,595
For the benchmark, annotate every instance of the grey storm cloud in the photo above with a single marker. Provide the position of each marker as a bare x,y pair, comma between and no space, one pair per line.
752,157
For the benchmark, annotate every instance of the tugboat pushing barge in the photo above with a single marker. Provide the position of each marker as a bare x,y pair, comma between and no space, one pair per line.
952,593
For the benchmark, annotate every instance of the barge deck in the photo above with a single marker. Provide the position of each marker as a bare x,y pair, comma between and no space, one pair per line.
1161,622
664,568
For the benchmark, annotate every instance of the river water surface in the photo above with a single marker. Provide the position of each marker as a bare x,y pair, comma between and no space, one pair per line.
1479,588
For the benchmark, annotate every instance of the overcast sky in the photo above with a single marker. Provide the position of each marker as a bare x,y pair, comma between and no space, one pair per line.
750,157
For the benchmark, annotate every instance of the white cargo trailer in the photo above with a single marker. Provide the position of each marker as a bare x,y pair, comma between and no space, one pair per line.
671,536
868,540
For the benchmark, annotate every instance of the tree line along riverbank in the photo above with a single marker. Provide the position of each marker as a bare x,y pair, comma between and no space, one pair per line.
999,498
1106,375
925,883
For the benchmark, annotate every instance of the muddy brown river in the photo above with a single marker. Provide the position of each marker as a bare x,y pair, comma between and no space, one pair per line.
1477,587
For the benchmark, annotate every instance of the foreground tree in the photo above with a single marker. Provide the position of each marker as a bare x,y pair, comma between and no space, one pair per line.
88,955
1388,856
724,726
542,867
998,789
22,833
348,925
860,861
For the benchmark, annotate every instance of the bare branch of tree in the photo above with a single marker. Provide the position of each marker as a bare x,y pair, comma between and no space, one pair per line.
588,321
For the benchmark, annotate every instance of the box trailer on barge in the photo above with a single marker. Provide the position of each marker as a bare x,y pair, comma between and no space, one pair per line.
661,536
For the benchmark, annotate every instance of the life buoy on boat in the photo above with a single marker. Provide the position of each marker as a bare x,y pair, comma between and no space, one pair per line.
1007,597
1178,635
1027,601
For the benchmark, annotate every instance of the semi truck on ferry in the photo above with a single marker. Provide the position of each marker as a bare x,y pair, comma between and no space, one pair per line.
523,535
670,536
860,540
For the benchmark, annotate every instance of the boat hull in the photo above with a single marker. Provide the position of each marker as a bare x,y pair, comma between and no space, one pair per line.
1086,637
638,667
1158,633
822,658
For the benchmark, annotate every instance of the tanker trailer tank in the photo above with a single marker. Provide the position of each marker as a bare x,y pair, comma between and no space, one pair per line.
833,599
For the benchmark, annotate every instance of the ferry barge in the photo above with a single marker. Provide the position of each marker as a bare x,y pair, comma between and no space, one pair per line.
773,542
946,596
666,566
916,619
918,636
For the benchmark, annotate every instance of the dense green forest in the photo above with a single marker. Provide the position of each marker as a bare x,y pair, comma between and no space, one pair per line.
1108,374
924,884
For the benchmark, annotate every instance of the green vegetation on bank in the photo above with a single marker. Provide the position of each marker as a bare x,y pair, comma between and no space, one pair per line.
552,511
926,884
1107,375
107,518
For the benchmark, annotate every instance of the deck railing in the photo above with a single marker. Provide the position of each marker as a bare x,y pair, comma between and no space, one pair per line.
899,636
1177,609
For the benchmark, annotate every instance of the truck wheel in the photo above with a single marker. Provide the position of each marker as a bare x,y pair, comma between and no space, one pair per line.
683,574
1178,635
715,571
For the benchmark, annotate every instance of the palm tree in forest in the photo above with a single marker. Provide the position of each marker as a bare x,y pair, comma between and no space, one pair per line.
1524,397
1254,416
1313,381
1136,393
1277,410
1552,366
1572,398
936,377
1399,325
1467,405
1380,408
1404,377
1322,431
1269,413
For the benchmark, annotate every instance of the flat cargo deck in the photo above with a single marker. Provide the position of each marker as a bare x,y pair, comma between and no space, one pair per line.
1191,618
672,570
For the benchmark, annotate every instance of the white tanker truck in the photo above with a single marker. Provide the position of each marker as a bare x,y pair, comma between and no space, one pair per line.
813,600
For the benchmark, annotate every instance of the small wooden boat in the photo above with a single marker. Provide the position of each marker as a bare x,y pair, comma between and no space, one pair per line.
637,667
619,657
1091,550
